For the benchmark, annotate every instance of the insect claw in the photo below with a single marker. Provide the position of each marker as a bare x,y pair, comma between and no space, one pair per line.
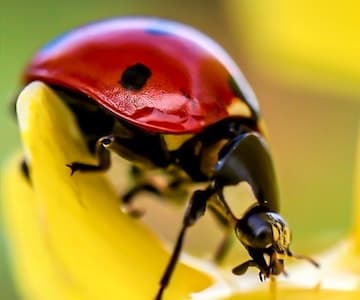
73,168
262,276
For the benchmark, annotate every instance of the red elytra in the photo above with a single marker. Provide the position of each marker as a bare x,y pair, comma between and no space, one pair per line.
192,83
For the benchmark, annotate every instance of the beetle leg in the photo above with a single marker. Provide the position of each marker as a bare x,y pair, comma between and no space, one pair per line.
304,257
224,247
194,210
130,145
130,194
102,154
258,257
128,197
242,268
222,212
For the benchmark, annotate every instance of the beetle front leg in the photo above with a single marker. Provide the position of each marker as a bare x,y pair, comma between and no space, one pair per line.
242,268
103,145
195,209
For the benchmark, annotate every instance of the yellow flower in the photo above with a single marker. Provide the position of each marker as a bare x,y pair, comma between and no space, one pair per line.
69,239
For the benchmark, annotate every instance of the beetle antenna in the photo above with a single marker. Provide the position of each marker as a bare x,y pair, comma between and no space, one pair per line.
304,257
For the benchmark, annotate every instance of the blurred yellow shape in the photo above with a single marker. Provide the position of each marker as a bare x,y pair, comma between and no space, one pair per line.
311,42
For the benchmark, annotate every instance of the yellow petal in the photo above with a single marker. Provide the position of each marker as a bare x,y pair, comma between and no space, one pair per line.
68,237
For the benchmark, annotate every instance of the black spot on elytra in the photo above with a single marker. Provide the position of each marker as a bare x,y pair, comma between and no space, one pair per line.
134,77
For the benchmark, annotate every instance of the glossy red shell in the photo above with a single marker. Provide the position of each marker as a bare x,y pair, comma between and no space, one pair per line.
189,87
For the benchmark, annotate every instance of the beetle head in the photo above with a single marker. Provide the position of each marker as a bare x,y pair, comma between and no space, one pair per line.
266,236
264,230
263,233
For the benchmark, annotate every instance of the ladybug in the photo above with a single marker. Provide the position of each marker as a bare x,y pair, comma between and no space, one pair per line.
166,97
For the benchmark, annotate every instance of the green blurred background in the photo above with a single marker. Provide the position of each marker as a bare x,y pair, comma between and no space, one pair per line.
302,61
